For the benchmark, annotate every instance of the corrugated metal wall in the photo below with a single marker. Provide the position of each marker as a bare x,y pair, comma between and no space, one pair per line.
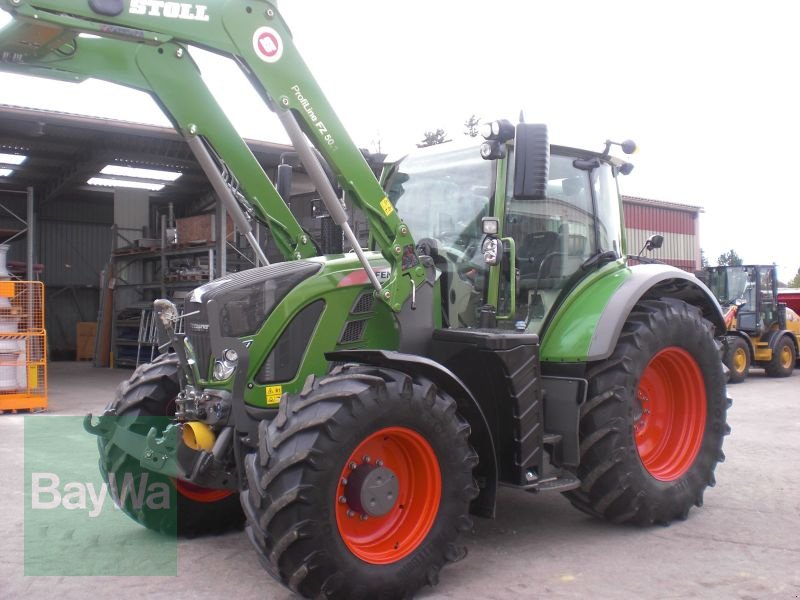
72,240
72,253
679,227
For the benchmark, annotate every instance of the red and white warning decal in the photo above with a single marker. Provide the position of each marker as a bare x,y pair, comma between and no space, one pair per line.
268,44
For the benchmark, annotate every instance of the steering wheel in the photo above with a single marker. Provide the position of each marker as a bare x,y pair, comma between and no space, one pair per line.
464,261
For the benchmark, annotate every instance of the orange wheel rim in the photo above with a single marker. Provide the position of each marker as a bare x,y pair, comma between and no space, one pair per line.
200,494
669,431
406,519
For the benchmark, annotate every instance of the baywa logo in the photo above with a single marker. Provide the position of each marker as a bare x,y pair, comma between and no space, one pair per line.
73,521
48,493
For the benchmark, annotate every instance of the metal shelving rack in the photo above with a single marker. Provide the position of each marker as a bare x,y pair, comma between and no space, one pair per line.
141,275
27,230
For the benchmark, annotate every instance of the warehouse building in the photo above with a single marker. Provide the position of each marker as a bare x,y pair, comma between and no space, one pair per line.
678,223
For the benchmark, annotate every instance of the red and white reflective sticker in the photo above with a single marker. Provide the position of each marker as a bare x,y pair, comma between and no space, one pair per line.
359,277
268,44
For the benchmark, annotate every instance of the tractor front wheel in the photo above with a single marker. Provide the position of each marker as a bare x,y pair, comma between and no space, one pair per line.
651,430
147,400
361,486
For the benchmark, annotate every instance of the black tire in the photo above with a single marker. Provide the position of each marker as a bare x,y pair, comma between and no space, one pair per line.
666,362
147,400
737,359
296,480
783,358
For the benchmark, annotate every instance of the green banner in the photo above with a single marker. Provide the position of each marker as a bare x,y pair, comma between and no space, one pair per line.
73,523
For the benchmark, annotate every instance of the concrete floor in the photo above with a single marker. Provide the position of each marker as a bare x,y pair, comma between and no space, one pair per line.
744,543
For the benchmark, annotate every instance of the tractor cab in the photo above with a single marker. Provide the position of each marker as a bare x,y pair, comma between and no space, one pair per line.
445,193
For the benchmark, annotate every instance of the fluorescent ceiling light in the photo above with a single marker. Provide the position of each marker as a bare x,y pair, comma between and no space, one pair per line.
12,159
140,173
126,183
5,172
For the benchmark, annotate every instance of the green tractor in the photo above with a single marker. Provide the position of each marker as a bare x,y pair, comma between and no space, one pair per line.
354,410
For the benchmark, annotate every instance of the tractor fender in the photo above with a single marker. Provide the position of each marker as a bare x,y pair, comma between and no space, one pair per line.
651,281
587,325
480,437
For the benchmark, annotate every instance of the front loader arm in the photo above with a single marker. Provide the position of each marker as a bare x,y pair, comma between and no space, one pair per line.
169,75
255,35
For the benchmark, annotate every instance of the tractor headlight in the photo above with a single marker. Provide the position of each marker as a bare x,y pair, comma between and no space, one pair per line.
224,368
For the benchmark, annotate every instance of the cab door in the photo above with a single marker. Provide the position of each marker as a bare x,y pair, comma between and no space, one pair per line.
555,236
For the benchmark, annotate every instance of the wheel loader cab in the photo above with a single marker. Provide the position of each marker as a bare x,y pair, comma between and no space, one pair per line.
754,290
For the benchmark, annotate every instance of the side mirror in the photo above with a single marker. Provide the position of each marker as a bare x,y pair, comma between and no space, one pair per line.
626,168
531,161
654,242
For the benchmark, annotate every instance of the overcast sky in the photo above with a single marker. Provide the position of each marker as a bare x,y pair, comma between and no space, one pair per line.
708,89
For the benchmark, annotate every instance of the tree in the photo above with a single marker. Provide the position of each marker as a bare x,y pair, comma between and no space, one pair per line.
472,126
703,259
795,281
376,142
729,259
431,138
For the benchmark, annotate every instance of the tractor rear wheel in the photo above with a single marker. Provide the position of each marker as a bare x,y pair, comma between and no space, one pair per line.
651,430
737,359
361,486
783,359
147,400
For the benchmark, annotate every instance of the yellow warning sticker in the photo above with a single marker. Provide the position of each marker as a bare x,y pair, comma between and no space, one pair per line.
274,393
387,207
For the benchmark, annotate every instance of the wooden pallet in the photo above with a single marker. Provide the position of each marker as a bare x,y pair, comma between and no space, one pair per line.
133,251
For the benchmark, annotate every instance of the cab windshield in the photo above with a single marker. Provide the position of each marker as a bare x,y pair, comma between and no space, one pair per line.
442,193
729,285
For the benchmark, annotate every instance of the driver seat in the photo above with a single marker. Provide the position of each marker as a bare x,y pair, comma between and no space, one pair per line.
533,249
